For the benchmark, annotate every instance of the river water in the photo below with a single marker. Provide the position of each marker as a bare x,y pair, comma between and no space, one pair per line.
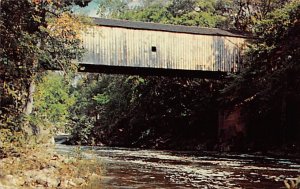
149,169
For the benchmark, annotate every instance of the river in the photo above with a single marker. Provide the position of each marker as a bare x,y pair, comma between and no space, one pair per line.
148,169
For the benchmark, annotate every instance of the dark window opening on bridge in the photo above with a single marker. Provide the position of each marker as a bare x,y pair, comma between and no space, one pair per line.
153,49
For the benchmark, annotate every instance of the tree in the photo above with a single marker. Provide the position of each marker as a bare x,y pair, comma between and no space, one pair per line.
112,8
53,100
46,34
243,15
103,100
183,12
268,88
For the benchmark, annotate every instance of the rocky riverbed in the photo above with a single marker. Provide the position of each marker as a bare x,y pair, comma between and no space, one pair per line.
42,168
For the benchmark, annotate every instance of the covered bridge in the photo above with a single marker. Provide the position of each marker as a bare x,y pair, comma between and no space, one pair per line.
119,46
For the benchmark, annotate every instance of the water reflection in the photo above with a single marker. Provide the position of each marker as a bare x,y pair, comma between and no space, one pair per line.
134,168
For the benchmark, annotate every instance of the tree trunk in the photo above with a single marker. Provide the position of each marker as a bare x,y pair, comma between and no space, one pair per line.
29,104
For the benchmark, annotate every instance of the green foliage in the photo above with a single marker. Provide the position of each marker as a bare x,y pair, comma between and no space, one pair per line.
276,52
268,88
277,25
154,13
125,110
184,12
101,99
43,36
112,8
133,109
81,127
53,100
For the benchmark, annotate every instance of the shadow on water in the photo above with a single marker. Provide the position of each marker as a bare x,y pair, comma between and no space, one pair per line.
136,168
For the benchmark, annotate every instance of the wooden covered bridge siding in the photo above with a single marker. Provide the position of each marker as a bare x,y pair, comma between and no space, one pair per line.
148,45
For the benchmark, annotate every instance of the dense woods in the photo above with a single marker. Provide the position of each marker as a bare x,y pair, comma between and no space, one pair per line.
160,112
43,36
35,36
256,109
183,113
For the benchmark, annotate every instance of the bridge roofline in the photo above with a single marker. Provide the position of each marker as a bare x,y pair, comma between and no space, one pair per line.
165,27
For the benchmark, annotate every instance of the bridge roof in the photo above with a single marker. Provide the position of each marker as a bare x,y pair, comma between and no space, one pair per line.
164,27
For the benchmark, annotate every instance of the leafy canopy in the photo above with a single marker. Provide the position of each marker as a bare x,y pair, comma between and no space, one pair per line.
46,35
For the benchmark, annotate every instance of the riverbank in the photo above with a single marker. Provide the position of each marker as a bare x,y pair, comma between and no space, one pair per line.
41,167
199,144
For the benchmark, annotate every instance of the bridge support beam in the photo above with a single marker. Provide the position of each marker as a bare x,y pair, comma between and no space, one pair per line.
142,71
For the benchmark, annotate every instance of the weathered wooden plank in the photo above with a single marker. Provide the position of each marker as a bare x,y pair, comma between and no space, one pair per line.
117,46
